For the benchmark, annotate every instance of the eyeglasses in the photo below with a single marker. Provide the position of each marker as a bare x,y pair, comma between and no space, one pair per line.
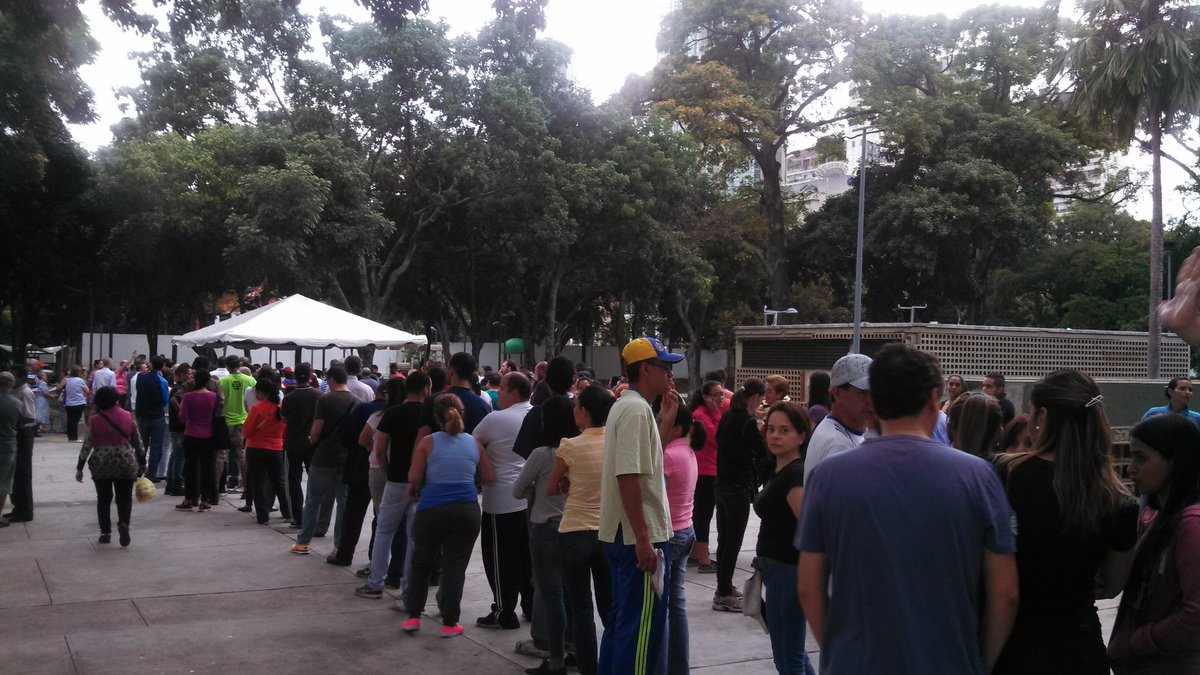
719,395
661,365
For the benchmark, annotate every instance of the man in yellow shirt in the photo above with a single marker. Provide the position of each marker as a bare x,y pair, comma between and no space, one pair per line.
635,521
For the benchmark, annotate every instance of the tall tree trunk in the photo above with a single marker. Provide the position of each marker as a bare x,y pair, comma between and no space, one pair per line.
1156,244
773,211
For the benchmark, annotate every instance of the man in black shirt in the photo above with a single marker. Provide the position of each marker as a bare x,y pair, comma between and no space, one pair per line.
298,407
329,456
395,438
993,385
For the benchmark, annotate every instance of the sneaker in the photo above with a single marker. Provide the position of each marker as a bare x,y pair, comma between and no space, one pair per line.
412,625
363,573
185,506
452,631
105,538
507,621
334,560
366,591
300,549
545,669
246,509
727,603
205,506
710,568
529,648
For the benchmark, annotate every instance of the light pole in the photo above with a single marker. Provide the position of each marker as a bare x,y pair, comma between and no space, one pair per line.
771,316
858,249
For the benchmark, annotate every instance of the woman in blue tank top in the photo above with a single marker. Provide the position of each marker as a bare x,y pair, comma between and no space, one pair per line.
442,479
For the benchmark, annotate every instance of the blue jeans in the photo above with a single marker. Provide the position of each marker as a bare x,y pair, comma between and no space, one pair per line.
394,520
548,580
321,481
785,619
674,657
152,432
175,461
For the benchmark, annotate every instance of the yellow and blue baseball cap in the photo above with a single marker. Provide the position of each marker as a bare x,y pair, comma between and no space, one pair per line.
645,349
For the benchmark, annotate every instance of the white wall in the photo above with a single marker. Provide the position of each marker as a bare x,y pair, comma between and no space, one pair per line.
605,361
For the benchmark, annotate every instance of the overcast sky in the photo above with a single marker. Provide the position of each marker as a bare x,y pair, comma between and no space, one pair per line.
609,39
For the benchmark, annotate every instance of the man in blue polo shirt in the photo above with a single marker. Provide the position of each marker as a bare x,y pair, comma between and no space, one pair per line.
910,532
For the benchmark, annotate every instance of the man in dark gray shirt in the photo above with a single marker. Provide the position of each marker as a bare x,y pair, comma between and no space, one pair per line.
10,420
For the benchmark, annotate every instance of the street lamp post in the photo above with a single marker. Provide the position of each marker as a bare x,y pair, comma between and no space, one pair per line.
771,316
858,249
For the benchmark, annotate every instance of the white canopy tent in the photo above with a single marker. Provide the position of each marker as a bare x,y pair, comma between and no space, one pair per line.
299,322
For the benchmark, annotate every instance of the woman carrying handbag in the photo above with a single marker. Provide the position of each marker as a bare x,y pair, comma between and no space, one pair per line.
114,455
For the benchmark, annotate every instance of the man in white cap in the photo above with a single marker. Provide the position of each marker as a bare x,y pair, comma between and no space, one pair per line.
842,429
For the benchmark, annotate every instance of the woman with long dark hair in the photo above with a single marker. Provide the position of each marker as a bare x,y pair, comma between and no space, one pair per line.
263,430
706,405
113,453
974,423
545,518
1075,520
778,508
1158,623
740,455
818,397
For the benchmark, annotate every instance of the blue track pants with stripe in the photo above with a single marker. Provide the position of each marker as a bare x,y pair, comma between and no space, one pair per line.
634,634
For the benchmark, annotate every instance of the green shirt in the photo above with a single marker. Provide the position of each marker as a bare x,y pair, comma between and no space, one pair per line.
632,446
234,387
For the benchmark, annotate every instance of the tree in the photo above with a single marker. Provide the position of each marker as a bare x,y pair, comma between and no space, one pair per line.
1134,67
744,76
972,142
42,46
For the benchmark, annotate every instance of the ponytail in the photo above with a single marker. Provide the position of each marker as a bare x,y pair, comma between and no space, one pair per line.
452,422
448,411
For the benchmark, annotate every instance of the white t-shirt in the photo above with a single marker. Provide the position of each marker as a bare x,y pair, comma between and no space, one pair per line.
361,390
828,439
498,433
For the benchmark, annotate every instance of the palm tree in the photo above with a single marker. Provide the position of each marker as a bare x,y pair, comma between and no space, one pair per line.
1136,66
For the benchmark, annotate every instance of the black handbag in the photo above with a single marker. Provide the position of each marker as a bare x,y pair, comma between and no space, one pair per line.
220,429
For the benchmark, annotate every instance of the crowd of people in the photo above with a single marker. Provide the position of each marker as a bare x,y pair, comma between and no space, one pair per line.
911,523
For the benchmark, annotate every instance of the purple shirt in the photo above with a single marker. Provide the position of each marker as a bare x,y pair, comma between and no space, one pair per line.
196,413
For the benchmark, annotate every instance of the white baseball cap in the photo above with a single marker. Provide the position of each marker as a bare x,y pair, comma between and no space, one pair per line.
851,369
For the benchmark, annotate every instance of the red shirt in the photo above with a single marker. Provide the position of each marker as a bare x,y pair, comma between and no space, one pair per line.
263,429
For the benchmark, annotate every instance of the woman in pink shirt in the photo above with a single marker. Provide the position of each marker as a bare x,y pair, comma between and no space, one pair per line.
114,454
199,447
680,469
708,403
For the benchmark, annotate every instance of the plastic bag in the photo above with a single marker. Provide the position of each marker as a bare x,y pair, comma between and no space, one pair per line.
144,490
752,602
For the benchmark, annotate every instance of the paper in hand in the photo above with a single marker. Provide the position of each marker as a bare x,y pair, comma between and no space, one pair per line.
657,579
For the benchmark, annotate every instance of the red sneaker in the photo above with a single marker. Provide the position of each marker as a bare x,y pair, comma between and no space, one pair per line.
452,631
411,626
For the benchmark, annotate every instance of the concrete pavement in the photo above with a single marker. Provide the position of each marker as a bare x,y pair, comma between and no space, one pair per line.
202,592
